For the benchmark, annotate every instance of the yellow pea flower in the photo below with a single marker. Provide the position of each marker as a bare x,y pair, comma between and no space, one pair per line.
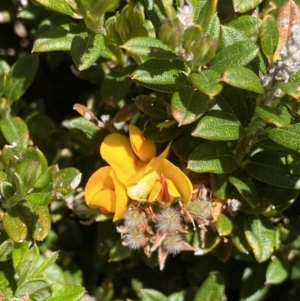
135,167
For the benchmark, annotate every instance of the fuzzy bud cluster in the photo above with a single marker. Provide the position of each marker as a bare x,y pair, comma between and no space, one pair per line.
162,227
288,65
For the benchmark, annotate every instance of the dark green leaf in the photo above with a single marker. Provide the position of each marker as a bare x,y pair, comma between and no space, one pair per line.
219,125
253,283
212,289
119,252
270,167
220,185
188,105
152,106
293,160
243,78
260,235
152,295
40,125
213,157
185,145
85,50
20,76
237,54
230,35
207,81
162,132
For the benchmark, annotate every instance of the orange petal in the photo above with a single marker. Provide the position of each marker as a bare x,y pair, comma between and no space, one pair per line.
105,200
98,181
170,171
117,151
140,190
144,149
121,197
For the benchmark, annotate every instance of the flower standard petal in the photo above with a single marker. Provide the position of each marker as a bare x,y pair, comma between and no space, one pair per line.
144,149
117,152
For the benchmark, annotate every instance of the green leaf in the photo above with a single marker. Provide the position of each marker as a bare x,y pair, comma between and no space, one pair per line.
20,248
253,286
85,50
248,25
67,180
243,78
220,185
260,235
271,167
41,224
37,289
57,38
118,252
219,125
214,157
241,6
6,250
279,116
60,6
277,271
156,12
14,225
20,76
237,54
185,145
206,13
213,29
224,225
15,131
247,189
269,36
160,72
152,106
291,89
288,137
86,132
66,292
188,105
207,81
212,289
152,295
45,264
230,35
148,48
237,235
